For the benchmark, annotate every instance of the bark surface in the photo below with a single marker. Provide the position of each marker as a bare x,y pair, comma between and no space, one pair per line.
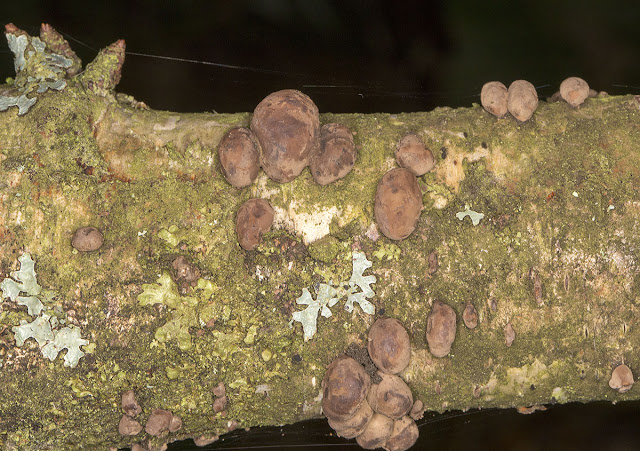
555,255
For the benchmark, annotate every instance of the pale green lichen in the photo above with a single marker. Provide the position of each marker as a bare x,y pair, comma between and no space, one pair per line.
475,216
37,71
328,296
44,329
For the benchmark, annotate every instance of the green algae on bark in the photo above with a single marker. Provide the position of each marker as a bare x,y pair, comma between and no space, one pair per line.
555,255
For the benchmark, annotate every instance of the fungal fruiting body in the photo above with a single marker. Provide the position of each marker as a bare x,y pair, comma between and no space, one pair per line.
87,239
287,125
574,91
470,316
334,155
239,157
398,203
389,345
412,154
254,218
621,379
522,100
494,98
441,329
345,388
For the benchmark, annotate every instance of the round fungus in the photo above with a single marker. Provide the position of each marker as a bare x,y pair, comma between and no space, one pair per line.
129,426
441,329
376,433
335,154
354,426
254,218
494,98
287,125
87,239
239,157
470,316
398,203
574,91
621,379
412,154
509,334
345,387
389,346
403,435
522,100
391,397
158,422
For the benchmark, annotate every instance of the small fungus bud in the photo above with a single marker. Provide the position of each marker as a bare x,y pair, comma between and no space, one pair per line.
509,334
470,316
254,218
129,404
354,426
433,262
621,379
158,422
403,435
391,397
287,125
204,440
494,98
522,100
417,411
334,156
398,204
414,156
345,387
87,239
376,433
129,426
441,329
220,404
239,157
389,346
219,390
574,91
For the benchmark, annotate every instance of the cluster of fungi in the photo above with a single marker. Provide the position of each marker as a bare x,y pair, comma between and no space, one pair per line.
377,411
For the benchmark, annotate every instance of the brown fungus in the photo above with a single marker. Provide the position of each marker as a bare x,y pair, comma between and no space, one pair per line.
470,316
87,239
389,346
158,422
391,397
493,98
574,91
376,433
239,157
345,386
509,334
398,204
403,435
287,125
354,426
129,404
441,329
129,426
220,404
414,156
334,156
254,218
621,379
522,100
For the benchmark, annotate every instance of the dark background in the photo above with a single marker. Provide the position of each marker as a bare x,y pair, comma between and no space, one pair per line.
368,56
